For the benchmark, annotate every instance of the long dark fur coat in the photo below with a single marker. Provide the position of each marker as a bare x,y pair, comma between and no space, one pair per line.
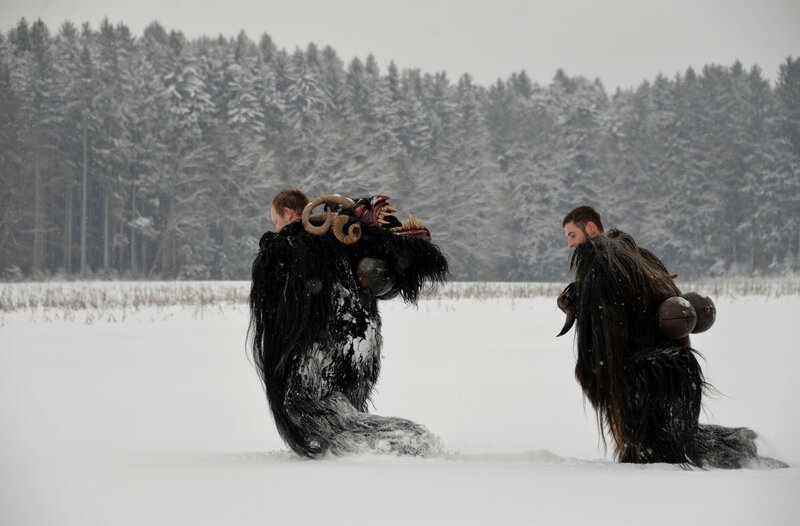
645,388
316,337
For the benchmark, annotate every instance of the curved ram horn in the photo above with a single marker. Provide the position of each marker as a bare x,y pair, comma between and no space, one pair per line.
353,233
570,312
326,225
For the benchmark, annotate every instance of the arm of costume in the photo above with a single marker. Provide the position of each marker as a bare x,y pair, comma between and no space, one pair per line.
603,312
287,292
290,307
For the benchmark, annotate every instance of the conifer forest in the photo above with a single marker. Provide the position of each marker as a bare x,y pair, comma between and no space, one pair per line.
156,156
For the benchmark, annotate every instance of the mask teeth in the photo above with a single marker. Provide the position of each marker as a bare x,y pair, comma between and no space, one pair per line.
412,224
385,211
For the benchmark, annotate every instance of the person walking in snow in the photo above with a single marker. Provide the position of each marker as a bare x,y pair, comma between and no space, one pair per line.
315,325
635,362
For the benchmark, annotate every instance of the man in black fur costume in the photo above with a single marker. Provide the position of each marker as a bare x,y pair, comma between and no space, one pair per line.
315,323
645,387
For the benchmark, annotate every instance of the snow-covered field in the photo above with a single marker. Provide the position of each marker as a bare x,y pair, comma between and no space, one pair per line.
145,414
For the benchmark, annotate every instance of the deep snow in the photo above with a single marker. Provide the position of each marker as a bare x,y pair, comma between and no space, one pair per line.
160,419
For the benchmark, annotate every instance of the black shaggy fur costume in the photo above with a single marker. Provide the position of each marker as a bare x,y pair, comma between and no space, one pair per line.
317,337
645,388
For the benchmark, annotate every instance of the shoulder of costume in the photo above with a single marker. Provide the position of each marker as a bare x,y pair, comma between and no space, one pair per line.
627,238
267,239
272,240
294,228
616,233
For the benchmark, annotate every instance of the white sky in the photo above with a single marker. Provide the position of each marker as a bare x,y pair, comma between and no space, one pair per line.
620,41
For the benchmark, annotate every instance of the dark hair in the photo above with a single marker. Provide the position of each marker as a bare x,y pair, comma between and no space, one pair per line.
582,215
291,198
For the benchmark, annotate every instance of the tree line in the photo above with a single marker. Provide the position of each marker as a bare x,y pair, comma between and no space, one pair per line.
156,156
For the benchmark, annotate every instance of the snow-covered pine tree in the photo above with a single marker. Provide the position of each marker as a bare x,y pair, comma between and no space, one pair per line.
13,256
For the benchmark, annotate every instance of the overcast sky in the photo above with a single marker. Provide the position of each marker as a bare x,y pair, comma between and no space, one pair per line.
620,41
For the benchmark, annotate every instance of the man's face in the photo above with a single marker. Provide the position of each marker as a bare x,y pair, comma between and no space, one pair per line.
281,220
575,234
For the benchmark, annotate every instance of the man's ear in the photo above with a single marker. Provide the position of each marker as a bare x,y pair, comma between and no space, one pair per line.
591,228
289,214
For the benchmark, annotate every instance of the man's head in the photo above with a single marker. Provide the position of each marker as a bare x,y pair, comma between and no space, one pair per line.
581,224
286,207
